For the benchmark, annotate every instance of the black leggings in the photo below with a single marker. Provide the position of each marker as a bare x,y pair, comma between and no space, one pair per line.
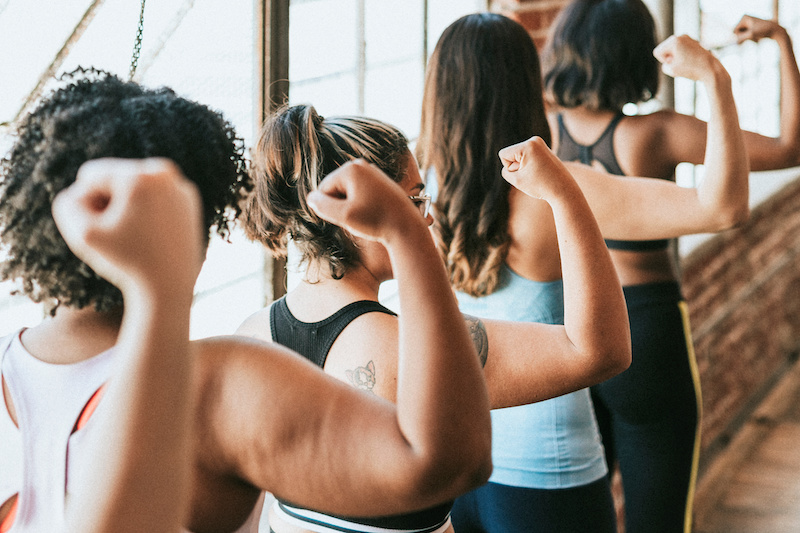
648,415
495,508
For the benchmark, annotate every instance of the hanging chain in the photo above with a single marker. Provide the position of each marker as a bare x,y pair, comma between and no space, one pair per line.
137,45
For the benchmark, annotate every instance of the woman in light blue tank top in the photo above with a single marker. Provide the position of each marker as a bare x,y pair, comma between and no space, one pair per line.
483,92
552,444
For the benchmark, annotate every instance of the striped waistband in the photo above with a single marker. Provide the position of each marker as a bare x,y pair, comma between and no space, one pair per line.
322,523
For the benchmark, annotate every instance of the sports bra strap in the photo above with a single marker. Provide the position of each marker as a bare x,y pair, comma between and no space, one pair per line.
313,340
601,149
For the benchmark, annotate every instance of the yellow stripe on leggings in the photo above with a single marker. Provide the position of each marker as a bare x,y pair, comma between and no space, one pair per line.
687,333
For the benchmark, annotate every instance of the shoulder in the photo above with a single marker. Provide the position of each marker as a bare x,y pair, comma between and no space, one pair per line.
648,124
365,355
373,334
257,326
662,122
653,144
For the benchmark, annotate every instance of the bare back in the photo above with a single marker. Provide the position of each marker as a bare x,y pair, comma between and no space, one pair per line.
645,145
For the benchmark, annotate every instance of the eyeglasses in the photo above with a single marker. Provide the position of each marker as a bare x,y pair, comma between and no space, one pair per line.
423,203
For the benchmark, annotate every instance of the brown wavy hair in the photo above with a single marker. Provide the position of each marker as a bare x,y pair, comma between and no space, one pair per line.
93,114
483,92
599,54
296,149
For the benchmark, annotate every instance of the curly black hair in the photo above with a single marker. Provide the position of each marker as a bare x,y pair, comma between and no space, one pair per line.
94,114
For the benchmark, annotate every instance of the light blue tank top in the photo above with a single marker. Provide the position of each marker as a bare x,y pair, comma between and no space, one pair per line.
546,445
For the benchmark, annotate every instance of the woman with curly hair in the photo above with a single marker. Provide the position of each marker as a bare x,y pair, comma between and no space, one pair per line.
251,427
599,57
501,247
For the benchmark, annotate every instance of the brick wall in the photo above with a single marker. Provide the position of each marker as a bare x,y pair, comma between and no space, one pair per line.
535,15
743,291
742,287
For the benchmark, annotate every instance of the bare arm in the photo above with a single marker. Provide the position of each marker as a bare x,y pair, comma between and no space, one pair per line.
139,478
641,208
687,134
352,453
784,151
529,362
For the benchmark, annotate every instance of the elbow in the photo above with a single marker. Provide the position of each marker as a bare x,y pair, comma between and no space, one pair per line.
467,469
614,361
447,482
477,472
789,156
741,216
725,213
621,360
461,468
615,355
734,216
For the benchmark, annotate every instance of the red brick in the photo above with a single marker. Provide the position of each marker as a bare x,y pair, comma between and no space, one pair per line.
742,351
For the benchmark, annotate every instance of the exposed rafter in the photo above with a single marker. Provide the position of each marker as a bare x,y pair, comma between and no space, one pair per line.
62,54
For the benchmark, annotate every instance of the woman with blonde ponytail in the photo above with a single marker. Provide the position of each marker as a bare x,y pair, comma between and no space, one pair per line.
334,319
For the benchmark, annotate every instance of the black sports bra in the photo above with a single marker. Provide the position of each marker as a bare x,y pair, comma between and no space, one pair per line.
313,340
602,151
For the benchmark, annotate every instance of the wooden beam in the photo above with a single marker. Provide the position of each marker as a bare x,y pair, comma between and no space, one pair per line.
58,60
272,55
272,90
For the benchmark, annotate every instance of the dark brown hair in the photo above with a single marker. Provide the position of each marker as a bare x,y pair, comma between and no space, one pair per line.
483,92
297,148
599,54
92,115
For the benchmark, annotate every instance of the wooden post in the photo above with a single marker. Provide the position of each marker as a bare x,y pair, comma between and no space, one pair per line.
272,91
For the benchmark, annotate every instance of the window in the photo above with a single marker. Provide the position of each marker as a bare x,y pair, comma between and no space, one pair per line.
346,57
366,57
754,73
201,48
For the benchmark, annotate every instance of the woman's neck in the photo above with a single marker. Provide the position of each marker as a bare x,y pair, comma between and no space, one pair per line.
582,112
73,335
319,295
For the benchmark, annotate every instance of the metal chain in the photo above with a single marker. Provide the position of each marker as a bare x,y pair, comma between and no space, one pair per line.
137,45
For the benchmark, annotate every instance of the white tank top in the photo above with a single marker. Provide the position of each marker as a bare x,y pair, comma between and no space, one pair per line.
41,459
48,399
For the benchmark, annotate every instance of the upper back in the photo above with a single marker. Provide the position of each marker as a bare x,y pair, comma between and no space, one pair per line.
357,339
601,150
313,340
533,252
649,145
43,449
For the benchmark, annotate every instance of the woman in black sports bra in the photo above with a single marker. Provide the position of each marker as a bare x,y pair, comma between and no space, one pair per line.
333,317
649,416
